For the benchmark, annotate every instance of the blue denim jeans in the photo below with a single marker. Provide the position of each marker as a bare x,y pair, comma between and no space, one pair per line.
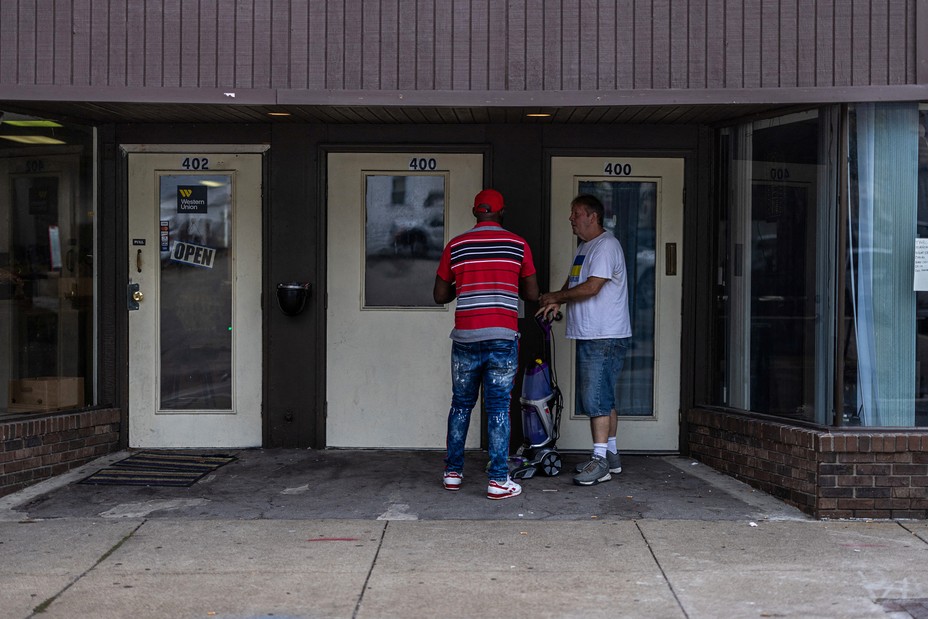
493,364
599,363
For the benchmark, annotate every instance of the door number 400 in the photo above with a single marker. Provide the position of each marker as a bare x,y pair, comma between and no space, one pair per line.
618,169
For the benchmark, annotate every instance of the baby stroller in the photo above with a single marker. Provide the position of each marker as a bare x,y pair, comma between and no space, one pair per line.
541,415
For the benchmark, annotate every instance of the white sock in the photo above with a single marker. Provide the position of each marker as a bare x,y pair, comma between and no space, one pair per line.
612,447
599,450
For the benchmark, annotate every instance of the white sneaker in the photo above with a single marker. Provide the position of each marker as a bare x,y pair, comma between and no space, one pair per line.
452,480
503,489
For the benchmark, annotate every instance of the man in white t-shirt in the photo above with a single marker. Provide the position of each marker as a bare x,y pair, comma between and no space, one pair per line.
597,318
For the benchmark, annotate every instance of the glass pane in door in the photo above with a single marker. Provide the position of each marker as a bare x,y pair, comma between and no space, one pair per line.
631,215
196,292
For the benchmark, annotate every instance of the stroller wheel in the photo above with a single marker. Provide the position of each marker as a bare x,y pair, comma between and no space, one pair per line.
551,463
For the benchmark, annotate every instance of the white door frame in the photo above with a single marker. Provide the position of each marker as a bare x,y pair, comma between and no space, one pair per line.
658,433
388,374
240,426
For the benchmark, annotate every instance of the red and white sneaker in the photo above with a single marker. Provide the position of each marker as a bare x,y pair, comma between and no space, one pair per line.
503,489
452,480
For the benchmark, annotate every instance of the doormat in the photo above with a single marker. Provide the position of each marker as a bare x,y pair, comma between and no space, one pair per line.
152,468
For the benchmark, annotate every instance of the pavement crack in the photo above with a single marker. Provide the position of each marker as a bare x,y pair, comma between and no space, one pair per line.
370,572
41,608
661,568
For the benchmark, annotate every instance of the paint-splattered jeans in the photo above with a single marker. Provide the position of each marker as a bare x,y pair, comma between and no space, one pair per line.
492,363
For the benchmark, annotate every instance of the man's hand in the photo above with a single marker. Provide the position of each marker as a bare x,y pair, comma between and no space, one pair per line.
547,306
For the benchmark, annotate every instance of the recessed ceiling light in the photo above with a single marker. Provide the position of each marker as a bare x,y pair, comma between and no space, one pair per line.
32,139
539,115
32,123
278,113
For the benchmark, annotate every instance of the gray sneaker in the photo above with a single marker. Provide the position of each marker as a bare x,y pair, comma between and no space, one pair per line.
596,471
613,458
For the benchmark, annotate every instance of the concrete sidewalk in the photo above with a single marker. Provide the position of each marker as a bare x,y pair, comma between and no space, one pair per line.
224,548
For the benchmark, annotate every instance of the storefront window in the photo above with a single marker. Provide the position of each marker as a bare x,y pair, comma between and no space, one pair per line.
885,348
46,265
776,254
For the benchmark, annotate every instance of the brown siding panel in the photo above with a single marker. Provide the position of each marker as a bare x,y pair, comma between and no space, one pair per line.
116,68
716,22
444,48
353,44
498,62
570,45
44,47
444,45
297,53
535,45
660,44
62,28
80,43
606,58
262,43
752,42
696,52
679,34
844,44
806,44
461,65
554,45
642,55
280,44
406,61
861,51
734,38
897,34
517,52
825,50
624,46
788,32
879,41
316,74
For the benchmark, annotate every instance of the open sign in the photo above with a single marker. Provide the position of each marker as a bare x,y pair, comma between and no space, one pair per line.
197,255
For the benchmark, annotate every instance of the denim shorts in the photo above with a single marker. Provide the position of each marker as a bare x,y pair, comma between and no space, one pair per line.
599,363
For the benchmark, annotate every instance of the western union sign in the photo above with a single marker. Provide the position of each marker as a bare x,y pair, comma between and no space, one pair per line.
196,255
191,198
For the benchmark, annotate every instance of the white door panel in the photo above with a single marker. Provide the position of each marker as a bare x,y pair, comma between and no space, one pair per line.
644,207
388,376
195,340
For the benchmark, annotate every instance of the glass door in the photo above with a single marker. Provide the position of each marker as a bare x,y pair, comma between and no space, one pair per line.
643,200
194,300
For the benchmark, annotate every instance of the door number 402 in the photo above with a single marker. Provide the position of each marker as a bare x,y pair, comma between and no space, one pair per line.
195,163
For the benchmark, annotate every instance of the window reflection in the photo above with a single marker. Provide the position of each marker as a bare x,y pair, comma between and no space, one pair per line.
404,237
772,283
46,266
630,214
196,292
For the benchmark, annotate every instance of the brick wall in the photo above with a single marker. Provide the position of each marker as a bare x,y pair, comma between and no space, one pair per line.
35,449
852,473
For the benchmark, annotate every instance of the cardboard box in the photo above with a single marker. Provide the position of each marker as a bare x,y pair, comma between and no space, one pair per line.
46,393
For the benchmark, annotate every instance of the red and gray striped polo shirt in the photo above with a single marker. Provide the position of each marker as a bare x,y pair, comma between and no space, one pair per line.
485,265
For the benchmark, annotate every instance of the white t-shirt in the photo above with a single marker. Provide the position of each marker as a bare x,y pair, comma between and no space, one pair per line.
604,315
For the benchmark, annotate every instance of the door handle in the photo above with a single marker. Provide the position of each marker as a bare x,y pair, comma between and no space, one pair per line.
133,296
138,261
670,258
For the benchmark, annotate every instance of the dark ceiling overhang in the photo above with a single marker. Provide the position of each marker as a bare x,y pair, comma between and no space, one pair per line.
204,105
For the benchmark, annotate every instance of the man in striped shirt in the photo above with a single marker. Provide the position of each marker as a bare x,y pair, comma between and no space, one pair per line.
487,269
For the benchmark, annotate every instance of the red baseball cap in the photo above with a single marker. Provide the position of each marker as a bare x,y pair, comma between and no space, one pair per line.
488,201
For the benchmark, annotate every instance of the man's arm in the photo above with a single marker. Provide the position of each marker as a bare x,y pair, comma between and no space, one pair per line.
550,302
443,292
528,288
